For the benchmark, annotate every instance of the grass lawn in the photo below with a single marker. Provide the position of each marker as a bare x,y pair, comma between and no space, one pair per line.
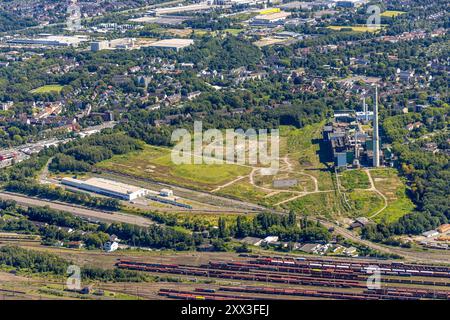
325,205
306,154
156,164
48,88
388,182
201,32
276,198
244,190
234,32
356,28
392,13
364,203
395,210
304,182
354,179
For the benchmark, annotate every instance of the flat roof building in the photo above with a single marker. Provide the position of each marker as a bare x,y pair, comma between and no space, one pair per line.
272,19
122,43
196,7
430,233
350,3
107,187
444,228
176,44
50,40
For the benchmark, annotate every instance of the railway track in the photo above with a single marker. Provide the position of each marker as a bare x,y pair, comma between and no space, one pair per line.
347,279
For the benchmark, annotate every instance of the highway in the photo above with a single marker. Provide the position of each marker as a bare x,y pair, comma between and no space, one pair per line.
94,215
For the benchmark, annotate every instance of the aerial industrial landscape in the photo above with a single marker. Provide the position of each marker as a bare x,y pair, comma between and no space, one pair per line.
224,150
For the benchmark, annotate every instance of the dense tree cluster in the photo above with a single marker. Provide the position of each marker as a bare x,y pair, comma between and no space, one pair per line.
42,262
223,54
285,227
79,155
153,236
10,21
32,260
23,170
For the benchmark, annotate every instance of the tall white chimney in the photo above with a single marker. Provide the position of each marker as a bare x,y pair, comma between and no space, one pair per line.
376,137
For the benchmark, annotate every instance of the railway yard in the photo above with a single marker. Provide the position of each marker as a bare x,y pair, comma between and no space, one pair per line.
258,277
230,276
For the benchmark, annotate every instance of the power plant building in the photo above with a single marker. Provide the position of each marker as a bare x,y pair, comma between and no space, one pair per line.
107,187
352,145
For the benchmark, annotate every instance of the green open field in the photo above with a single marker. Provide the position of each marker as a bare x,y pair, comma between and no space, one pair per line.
48,88
364,203
304,182
392,13
156,164
306,153
324,205
244,190
356,28
234,32
388,182
300,159
354,179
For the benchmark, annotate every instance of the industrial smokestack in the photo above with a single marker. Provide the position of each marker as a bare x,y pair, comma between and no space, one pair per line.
376,137
365,110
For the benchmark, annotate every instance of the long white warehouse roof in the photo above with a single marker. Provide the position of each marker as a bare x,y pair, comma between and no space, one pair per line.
106,184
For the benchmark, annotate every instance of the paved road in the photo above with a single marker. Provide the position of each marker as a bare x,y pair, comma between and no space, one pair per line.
78,211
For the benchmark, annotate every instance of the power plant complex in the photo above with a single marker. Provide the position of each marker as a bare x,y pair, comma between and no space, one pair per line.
352,142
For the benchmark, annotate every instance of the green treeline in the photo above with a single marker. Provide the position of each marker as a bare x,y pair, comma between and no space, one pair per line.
286,227
80,155
42,262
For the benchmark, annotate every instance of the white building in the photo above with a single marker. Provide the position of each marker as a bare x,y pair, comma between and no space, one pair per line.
111,246
166,193
430,233
270,239
116,44
50,40
350,3
270,20
107,187
176,44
